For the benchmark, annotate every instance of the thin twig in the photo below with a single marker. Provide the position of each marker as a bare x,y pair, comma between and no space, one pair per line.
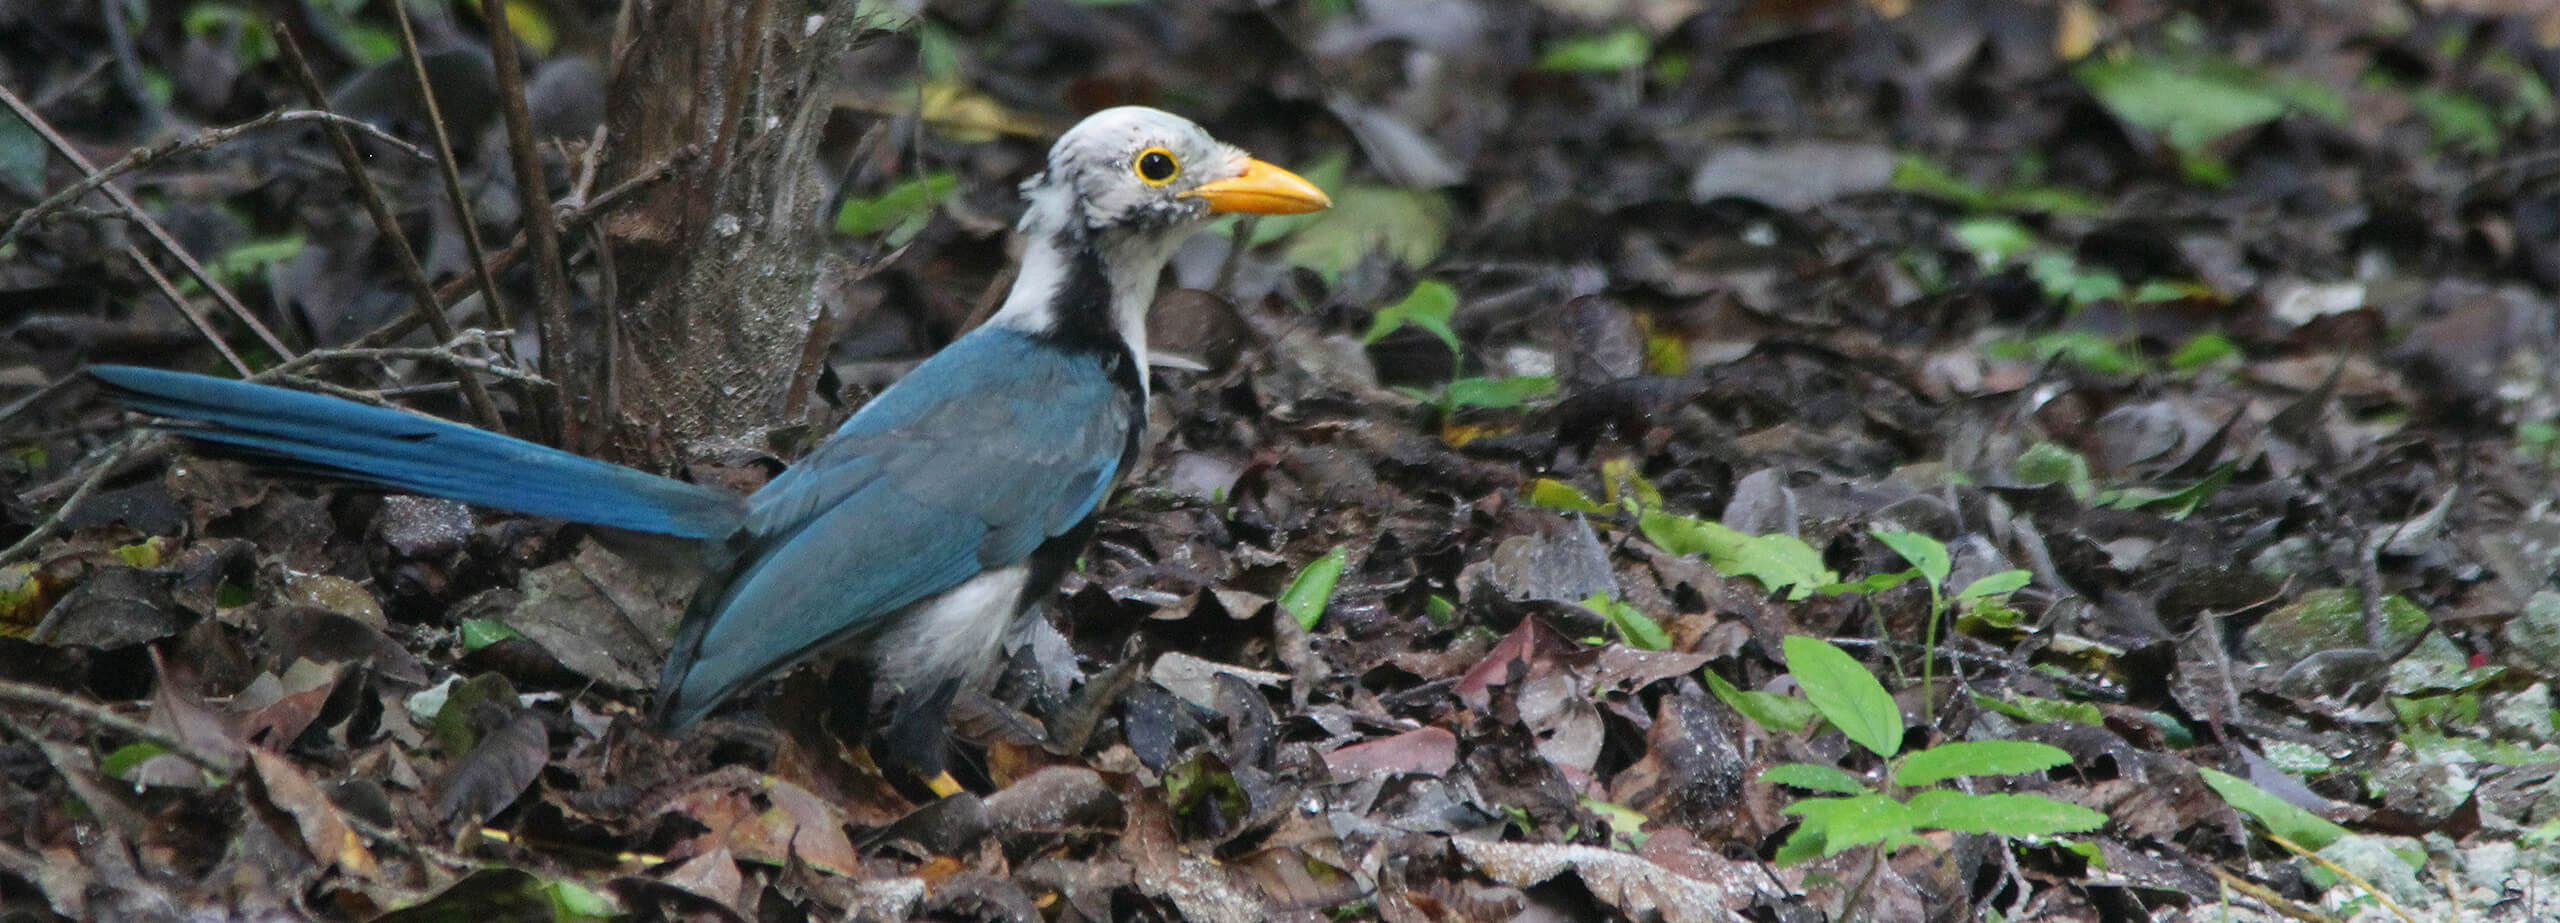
150,226
813,359
551,293
200,141
30,398
438,354
2341,871
473,393
88,485
452,292
1851,910
452,175
2010,665
2265,895
601,382
609,360
186,309
97,715
128,64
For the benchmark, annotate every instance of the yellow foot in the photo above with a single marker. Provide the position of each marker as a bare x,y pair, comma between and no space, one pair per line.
943,785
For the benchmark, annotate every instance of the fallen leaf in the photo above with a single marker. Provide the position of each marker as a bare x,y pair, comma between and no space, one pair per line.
323,831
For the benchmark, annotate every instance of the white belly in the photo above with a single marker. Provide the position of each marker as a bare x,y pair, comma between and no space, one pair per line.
955,634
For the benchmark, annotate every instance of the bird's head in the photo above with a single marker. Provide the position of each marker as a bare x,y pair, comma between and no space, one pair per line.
1134,172
1122,189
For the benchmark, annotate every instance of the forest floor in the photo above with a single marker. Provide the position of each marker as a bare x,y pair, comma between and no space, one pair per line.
1998,459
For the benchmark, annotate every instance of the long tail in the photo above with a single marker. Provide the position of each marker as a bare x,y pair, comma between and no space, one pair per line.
410,452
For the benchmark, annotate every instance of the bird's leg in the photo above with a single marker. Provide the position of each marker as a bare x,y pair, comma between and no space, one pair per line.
916,739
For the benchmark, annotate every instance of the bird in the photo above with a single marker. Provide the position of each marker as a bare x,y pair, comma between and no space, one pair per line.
942,510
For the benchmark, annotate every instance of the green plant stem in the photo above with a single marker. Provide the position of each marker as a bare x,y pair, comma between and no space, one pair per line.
1850,911
1929,657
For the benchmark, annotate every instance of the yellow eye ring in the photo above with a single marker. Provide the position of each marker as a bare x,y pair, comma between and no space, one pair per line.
1155,166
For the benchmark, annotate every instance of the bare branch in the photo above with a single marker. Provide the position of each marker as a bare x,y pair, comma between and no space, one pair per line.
159,235
452,176
88,485
551,304
571,219
405,257
200,141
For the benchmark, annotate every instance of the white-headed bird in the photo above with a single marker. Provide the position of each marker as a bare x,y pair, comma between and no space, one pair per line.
916,533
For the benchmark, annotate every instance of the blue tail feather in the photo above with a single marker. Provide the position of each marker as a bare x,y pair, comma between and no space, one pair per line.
420,454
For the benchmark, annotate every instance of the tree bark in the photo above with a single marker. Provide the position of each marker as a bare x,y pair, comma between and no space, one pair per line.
716,266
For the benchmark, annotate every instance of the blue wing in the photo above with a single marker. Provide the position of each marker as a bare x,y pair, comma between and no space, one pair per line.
337,438
993,446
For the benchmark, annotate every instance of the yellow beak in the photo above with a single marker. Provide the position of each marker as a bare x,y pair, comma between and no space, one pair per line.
1262,189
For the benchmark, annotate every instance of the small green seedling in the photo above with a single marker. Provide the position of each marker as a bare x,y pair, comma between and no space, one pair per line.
1312,590
1892,813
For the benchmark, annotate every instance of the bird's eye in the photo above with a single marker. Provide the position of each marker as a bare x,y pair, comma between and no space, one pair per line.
1156,166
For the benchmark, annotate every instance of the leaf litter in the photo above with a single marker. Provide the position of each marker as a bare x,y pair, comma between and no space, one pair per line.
2178,371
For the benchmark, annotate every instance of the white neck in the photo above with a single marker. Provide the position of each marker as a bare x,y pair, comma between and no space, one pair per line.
1130,267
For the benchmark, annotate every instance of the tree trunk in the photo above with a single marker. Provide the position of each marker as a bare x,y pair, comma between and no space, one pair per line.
716,265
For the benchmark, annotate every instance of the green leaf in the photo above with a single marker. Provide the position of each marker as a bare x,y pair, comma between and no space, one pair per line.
1625,486
1923,175
2160,291
2190,102
120,763
2176,504
2047,463
2459,120
1872,583
1640,631
251,44
480,633
1994,241
1780,713
22,158
1428,307
1927,555
1408,224
1307,595
1326,171
572,901
1847,694
252,256
1817,778
1615,50
1855,821
2002,814
1626,825
1805,843
1978,758
454,724
937,51
1204,782
1920,175
1783,563
2065,279
2002,583
143,554
1558,495
898,212
2079,348
2279,816
1497,393
2202,350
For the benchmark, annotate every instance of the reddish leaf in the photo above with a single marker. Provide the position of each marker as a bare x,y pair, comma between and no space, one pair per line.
1427,751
